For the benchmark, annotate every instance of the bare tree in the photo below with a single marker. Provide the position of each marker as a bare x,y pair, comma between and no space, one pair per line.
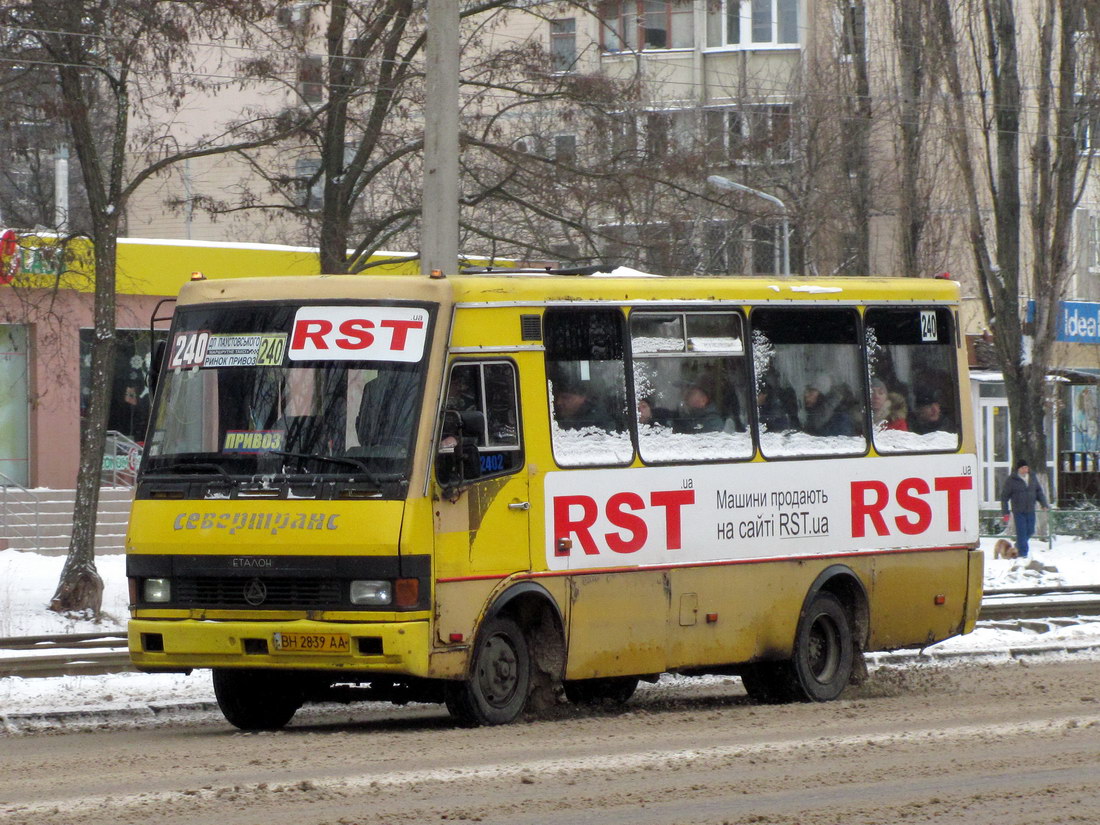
554,163
120,69
353,175
978,46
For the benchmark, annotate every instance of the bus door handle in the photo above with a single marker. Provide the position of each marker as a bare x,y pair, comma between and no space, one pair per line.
520,505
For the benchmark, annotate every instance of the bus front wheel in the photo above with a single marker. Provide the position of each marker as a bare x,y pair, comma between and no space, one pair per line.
256,700
499,681
824,653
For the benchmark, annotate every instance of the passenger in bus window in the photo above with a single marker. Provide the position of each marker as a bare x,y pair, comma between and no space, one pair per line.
773,413
929,415
888,409
698,412
650,415
828,408
576,409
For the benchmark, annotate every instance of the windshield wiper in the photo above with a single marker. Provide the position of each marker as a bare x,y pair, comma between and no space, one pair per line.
347,461
194,466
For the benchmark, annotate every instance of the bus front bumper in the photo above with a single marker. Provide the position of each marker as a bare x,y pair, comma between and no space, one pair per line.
398,648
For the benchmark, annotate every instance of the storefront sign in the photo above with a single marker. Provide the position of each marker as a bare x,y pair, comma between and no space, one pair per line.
1078,321
16,259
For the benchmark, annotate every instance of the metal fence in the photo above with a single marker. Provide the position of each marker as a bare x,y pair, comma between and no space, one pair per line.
24,520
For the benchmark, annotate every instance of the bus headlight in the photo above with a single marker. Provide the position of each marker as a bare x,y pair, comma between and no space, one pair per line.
157,590
371,592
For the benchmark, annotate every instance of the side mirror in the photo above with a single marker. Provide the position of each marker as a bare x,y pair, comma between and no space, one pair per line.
156,361
462,464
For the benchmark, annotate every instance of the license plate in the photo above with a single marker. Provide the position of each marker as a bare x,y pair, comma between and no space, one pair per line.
312,642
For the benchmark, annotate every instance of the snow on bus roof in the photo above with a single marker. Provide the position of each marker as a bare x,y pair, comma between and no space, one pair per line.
626,272
813,288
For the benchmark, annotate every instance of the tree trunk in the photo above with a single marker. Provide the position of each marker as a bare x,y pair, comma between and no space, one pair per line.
80,588
858,155
909,40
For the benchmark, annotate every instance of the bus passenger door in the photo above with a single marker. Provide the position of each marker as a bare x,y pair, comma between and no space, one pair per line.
482,519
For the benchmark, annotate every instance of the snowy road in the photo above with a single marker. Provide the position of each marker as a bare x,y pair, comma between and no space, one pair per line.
1006,743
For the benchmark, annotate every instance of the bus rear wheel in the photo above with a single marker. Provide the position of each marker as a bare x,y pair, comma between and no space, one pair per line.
615,690
256,699
821,665
500,677
824,653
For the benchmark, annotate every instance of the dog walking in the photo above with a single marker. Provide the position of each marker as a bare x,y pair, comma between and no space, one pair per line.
1021,494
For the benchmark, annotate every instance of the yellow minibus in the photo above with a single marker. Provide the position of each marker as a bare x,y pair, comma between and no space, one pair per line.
501,490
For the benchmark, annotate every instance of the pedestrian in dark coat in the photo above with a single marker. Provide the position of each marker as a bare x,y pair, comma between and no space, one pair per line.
1021,493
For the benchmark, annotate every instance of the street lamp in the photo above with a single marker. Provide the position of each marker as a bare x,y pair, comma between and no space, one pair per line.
719,182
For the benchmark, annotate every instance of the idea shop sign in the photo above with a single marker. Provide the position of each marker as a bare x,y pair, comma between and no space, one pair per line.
708,513
358,333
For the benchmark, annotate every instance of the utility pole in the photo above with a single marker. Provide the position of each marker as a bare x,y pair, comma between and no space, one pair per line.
439,210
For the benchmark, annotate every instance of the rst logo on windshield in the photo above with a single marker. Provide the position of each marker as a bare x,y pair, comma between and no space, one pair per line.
358,334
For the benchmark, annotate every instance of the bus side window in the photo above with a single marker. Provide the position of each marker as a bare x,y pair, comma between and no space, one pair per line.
482,410
911,367
810,381
691,381
586,385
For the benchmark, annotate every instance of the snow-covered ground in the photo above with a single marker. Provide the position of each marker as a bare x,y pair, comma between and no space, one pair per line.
27,581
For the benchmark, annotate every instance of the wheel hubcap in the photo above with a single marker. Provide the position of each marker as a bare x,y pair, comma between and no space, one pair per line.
498,675
824,649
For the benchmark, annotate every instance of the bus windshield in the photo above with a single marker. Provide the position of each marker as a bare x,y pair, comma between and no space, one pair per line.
290,390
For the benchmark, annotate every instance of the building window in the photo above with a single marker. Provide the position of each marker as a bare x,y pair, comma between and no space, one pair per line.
704,247
311,86
130,396
14,407
1088,125
750,24
1092,241
307,171
853,35
565,149
850,243
749,134
723,249
646,24
667,132
294,17
563,44
767,249
628,136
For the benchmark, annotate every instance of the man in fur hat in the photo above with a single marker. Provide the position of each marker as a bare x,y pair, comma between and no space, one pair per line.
1021,493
